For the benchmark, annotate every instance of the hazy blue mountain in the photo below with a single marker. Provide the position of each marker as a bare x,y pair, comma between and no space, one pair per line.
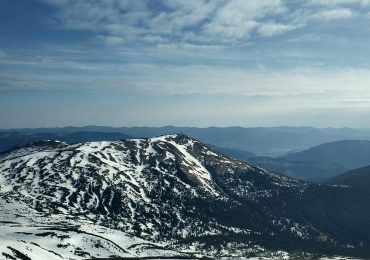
316,163
266,141
320,162
357,177
311,170
349,154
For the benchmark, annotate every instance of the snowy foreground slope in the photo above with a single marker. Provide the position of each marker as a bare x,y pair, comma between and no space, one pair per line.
166,196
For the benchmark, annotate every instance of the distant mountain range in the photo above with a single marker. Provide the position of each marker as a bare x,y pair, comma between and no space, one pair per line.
263,141
315,163
168,196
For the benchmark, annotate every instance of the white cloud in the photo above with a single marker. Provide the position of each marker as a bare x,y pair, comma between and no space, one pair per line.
327,15
111,40
271,29
238,18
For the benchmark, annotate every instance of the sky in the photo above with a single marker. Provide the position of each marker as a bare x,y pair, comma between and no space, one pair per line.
185,63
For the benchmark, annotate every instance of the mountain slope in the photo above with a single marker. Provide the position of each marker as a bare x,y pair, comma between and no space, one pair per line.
169,195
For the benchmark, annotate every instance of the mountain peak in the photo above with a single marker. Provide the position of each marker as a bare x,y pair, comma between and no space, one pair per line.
176,136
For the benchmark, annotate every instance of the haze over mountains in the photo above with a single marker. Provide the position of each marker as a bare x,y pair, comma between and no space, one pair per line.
167,196
316,171
347,153
320,162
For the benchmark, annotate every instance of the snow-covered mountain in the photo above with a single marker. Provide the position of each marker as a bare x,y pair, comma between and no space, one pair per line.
164,196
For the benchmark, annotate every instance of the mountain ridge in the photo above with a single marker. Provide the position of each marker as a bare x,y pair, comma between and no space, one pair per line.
264,141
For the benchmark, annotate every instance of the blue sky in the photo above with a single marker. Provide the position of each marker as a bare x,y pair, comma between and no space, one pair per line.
185,63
